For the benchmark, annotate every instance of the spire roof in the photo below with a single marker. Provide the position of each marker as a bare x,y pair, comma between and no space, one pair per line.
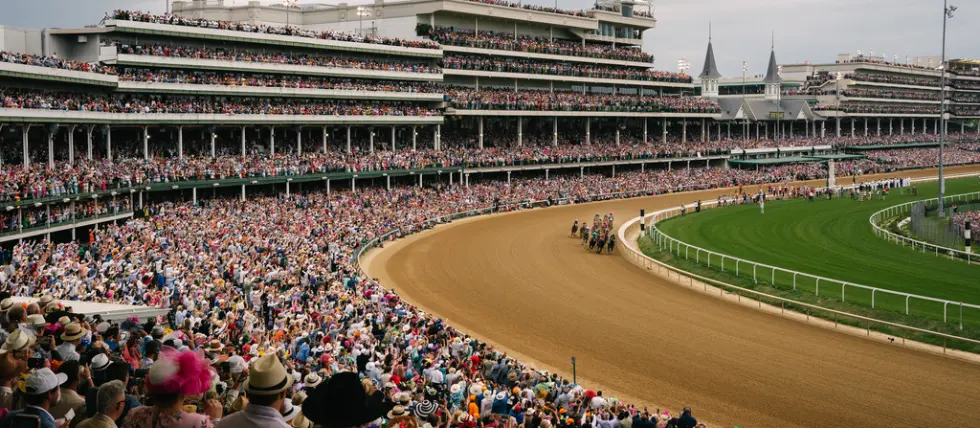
772,73
710,68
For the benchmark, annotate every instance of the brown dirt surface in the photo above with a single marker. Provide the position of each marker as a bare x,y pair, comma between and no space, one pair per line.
518,281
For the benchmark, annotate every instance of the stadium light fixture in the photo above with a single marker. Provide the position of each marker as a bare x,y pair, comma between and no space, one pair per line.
947,13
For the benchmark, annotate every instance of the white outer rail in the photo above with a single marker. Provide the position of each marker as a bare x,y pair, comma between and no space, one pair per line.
673,245
632,254
900,209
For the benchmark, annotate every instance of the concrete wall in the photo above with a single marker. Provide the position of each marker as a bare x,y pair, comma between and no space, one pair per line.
400,27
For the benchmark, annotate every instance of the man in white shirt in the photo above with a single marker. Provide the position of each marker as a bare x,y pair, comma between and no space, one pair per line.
71,337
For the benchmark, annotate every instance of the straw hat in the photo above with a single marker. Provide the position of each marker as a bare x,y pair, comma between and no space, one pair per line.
312,380
36,321
6,304
397,412
73,331
268,377
215,346
19,340
45,300
99,362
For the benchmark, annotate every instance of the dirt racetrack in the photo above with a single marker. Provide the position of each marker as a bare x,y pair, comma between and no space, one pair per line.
518,281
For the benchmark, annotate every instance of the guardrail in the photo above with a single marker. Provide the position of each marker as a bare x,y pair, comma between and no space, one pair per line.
631,253
683,249
906,208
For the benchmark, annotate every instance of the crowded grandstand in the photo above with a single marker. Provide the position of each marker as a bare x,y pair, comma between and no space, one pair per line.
231,171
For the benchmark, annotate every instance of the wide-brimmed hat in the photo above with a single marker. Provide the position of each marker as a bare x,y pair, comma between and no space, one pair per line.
300,421
64,320
239,403
476,389
289,411
215,346
6,304
425,409
157,331
397,412
73,331
45,300
312,380
19,340
268,377
99,362
342,402
456,388
36,321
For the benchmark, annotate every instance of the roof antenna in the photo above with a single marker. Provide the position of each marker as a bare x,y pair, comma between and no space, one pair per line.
773,46
709,31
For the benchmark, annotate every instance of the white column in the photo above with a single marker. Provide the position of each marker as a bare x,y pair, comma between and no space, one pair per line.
88,152
838,126
272,141
617,136
588,131
243,142
520,131
348,139
243,193
213,137
108,143
393,146
415,135
371,140
878,125
287,187
299,142
194,194
663,122
684,130
704,130
823,129
479,130
913,126
51,148
555,133
325,139
935,126
437,141
26,146
180,142
865,127
901,126
508,177
646,122
146,142
71,145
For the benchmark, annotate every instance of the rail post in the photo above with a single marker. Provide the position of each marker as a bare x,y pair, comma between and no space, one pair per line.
773,277
842,286
736,266
755,278
722,262
818,286
907,305
873,290
574,372
794,280
944,311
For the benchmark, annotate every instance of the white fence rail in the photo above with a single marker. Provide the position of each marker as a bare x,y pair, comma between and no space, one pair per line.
631,253
734,264
906,209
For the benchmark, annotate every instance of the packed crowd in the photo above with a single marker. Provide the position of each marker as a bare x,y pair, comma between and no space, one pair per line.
894,78
959,219
271,324
521,5
881,108
891,94
509,42
922,157
270,80
869,60
517,65
543,100
45,216
249,55
146,103
170,19
53,62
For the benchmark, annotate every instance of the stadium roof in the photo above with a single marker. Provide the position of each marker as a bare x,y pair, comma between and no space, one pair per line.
756,109
840,156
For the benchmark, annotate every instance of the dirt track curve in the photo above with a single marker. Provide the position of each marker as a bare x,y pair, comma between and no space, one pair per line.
518,281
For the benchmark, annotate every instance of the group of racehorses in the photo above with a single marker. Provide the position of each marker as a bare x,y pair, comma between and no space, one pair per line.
599,237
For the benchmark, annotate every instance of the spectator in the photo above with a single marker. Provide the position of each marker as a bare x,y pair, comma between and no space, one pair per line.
266,389
111,402
42,392
70,400
172,378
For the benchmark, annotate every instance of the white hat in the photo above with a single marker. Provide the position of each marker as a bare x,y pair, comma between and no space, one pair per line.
45,300
6,304
43,380
18,340
99,362
36,321
289,411
456,388
312,380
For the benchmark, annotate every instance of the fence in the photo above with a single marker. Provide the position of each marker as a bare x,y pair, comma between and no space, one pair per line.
907,208
737,265
637,258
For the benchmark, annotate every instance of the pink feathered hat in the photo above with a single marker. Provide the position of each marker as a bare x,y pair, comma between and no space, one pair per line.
178,372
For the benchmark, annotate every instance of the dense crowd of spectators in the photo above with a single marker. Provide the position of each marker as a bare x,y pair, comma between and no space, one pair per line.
959,220
881,108
922,157
517,65
248,55
54,62
46,216
509,42
521,5
272,80
170,19
894,78
544,100
868,60
146,103
890,93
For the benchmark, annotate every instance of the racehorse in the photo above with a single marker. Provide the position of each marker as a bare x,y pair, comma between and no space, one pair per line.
611,245
600,245
584,231
574,228
592,242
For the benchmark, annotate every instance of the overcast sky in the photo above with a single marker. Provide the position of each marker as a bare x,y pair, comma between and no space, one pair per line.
806,30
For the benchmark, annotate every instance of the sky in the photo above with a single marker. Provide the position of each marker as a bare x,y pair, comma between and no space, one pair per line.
805,30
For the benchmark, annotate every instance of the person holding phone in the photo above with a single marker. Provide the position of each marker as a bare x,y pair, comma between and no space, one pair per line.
42,393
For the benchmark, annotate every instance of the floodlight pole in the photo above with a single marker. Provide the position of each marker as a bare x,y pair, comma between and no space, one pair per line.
947,13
